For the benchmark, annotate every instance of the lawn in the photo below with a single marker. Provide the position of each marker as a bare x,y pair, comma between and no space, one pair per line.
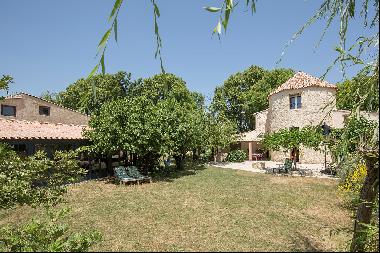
209,209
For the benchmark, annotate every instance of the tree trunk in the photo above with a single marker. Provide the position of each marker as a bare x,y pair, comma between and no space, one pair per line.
212,154
195,156
179,161
109,165
367,197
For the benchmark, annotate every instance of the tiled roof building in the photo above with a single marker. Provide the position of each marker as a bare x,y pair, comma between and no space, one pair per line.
33,130
29,123
302,80
301,101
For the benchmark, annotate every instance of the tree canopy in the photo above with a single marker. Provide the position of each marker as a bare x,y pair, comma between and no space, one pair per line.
158,116
361,91
245,93
88,95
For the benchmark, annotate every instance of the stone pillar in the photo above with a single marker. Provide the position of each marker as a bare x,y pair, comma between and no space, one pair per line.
250,149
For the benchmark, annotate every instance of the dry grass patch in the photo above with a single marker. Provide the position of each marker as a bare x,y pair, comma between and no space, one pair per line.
210,210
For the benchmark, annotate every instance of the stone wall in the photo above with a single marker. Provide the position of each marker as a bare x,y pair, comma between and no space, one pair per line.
317,103
307,155
27,108
261,120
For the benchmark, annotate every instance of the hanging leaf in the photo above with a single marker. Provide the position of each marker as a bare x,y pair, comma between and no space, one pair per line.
226,18
212,9
115,29
115,8
156,10
105,38
103,65
93,71
230,4
218,28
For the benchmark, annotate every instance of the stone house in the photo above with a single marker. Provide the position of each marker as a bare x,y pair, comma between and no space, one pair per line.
28,107
29,123
301,101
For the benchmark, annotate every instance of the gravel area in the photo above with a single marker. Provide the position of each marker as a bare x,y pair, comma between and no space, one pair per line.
251,166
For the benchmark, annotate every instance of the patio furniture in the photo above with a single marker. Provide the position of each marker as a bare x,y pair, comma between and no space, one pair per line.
305,172
122,176
133,172
284,168
287,166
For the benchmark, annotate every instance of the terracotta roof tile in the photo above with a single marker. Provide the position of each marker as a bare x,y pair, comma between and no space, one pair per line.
22,129
302,80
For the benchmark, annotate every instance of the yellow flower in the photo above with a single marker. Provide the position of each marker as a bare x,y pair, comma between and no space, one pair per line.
354,180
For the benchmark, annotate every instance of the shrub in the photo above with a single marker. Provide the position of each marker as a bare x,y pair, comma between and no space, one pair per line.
236,156
354,181
50,236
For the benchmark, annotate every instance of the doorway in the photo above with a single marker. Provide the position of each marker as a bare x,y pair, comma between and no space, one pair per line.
295,153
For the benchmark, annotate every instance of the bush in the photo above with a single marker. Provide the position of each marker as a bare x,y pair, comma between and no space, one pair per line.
237,156
46,236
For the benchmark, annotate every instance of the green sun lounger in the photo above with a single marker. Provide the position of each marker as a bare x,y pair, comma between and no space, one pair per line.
133,172
122,176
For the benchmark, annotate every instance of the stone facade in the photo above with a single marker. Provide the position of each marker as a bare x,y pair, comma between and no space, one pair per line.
28,108
318,105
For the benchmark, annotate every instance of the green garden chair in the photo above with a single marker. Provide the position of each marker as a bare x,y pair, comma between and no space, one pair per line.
133,172
122,176
287,167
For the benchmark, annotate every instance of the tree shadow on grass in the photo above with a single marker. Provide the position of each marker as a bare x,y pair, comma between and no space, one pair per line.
303,243
165,174
171,173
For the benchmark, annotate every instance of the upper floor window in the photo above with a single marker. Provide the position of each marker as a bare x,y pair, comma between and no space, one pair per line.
44,110
295,102
8,110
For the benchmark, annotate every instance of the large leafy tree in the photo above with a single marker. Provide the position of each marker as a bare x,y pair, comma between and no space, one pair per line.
245,93
88,95
159,115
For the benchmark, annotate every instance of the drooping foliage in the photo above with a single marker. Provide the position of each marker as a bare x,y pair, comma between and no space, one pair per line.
245,93
287,139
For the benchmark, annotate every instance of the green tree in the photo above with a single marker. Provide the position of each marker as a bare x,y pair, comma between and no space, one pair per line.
288,139
5,81
245,93
361,91
219,133
159,115
49,96
88,95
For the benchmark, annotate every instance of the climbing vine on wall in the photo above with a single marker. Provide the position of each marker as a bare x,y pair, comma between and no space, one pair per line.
286,139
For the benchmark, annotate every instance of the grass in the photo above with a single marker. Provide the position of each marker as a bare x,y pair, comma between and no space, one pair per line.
208,209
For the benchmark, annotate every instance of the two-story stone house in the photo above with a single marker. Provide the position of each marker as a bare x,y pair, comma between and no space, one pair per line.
301,101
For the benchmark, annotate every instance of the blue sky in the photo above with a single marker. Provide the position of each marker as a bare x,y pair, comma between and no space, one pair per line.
47,45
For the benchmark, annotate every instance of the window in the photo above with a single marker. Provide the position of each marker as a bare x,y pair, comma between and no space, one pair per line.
44,110
8,110
295,102
19,147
